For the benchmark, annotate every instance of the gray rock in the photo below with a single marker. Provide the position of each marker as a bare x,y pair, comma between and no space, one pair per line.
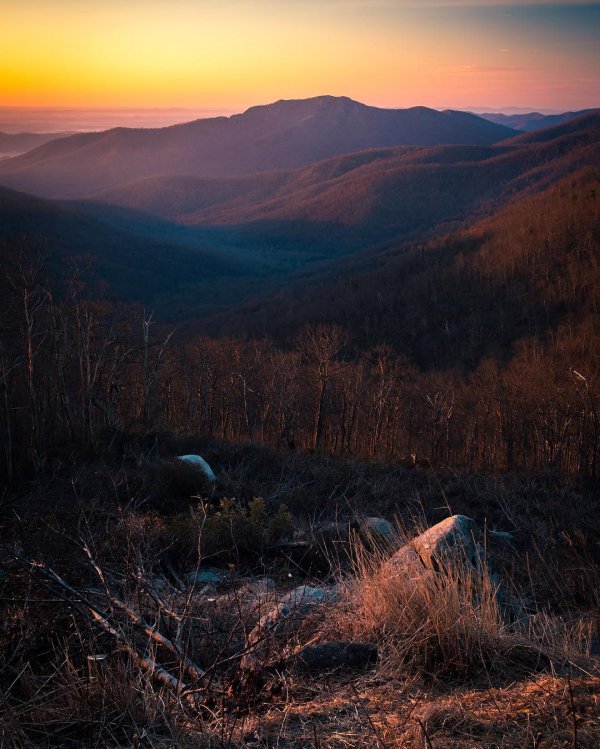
331,655
303,597
331,531
455,540
502,536
380,528
374,528
201,464
207,576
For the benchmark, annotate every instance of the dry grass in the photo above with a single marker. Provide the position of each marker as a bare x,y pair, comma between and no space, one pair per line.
372,713
450,622
452,672
432,623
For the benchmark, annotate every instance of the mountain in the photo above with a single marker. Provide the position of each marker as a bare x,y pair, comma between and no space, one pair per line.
243,237
530,121
586,124
12,144
283,135
362,198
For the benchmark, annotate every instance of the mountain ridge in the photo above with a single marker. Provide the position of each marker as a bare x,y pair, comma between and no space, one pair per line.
284,135
12,144
344,189
531,121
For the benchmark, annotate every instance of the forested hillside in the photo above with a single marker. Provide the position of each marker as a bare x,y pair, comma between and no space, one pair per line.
480,349
372,194
527,271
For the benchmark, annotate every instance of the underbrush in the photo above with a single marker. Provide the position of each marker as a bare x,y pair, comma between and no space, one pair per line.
66,680
228,533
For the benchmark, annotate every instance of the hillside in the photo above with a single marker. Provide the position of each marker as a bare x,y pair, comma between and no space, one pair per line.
284,135
139,260
240,237
369,196
588,122
12,144
524,272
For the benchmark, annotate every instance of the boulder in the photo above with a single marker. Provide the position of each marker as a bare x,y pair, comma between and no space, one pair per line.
331,531
201,464
380,529
455,540
207,576
374,528
331,655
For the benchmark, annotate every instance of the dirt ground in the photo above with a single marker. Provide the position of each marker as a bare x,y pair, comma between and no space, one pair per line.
539,712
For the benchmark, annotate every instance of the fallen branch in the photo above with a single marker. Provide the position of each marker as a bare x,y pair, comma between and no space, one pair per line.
189,666
49,579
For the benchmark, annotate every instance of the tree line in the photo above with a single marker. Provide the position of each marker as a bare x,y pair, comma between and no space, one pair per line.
74,370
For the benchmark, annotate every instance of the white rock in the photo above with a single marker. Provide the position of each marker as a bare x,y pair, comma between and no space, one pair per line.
199,461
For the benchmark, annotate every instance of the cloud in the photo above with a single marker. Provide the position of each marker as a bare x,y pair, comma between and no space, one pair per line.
477,69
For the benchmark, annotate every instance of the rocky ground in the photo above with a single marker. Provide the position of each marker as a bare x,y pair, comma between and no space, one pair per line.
245,624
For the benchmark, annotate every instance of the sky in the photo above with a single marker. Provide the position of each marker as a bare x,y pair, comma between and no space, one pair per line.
226,55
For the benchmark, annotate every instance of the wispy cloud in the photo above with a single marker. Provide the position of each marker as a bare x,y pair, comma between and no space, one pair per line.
477,69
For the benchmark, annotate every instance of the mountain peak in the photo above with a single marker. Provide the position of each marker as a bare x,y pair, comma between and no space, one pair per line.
286,134
312,104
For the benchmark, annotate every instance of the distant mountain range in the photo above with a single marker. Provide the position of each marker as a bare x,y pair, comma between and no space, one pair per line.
532,120
17,143
372,194
284,135
192,244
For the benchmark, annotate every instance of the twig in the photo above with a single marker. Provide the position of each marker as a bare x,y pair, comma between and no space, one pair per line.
428,743
316,738
366,712
192,669
573,713
80,602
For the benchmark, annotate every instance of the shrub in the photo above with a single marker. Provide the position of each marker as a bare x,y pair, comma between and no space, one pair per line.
239,532
177,482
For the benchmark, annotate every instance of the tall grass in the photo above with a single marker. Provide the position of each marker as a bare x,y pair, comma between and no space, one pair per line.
447,620
423,621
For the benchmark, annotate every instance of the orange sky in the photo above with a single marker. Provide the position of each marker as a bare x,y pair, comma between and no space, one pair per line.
230,54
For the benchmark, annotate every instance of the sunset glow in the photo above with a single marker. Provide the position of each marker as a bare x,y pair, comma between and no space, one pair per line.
231,54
